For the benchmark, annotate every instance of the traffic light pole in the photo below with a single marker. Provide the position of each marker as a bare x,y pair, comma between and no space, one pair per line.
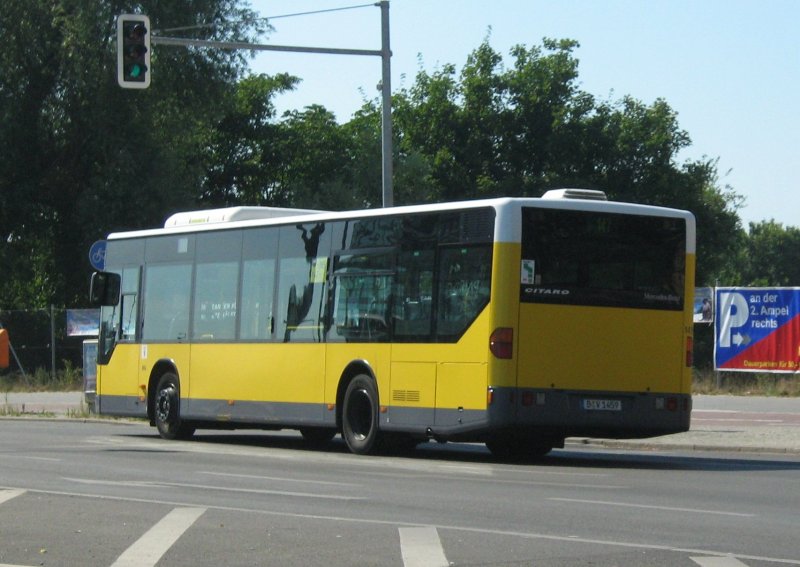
386,80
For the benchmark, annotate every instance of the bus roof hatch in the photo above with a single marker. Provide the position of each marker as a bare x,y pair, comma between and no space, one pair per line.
232,214
587,194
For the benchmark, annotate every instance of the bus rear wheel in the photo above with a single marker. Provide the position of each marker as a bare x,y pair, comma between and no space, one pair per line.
166,412
360,416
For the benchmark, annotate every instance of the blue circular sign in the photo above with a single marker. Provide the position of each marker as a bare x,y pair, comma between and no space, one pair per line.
97,255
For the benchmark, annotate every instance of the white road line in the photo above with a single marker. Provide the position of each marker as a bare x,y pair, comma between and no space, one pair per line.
651,507
735,420
206,487
6,495
420,547
46,459
149,548
718,562
456,527
279,479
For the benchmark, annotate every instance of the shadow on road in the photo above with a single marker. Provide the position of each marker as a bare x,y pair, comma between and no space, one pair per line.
584,457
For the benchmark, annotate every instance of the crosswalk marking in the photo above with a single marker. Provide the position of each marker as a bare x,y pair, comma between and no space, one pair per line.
6,495
420,547
718,562
149,548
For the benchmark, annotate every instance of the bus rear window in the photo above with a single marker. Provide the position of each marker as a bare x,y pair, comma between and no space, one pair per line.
602,259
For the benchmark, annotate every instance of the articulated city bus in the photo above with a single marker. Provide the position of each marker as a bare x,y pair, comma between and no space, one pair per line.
512,322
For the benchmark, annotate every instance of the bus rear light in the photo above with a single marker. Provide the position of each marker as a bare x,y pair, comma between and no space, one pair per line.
501,343
689,351
489,396
669,404
527,398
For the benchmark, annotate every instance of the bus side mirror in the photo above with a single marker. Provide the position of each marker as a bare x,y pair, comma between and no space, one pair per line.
104,289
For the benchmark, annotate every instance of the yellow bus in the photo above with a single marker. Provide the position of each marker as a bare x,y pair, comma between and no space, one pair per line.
512,322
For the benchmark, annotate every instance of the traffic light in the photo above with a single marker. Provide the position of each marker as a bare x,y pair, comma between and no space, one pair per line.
133,51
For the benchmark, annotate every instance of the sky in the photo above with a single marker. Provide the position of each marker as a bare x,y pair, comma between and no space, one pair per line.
729,68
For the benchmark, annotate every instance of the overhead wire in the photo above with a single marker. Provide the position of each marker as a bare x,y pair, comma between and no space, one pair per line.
265,19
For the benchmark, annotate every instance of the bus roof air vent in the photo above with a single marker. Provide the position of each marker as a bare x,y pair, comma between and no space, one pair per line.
586,194
232,214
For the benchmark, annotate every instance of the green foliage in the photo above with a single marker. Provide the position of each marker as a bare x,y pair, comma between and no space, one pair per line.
83,157
745,384
68,378
518,131
773,255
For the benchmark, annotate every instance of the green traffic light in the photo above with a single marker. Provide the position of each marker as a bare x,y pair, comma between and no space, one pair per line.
133,51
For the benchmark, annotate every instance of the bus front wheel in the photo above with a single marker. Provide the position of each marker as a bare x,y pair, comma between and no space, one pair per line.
360,415
166,412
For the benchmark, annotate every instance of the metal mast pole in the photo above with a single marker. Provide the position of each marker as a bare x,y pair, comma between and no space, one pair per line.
386,81
386,107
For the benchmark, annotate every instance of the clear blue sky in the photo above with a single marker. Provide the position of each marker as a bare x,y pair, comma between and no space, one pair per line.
729,68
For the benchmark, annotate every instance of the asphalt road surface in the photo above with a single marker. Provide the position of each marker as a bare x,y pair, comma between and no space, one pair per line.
101,494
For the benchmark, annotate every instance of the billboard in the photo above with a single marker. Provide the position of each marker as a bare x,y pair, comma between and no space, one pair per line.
83,322
757,329
703,305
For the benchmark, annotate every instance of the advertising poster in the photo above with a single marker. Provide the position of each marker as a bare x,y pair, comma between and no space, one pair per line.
703,304
83,322
757,329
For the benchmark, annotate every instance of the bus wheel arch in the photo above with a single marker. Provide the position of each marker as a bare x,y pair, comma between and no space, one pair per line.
164,400
358,408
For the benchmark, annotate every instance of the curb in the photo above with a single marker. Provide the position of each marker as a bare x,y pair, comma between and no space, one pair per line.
699,447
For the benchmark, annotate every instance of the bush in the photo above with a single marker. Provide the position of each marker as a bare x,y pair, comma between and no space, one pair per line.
68,379
745,383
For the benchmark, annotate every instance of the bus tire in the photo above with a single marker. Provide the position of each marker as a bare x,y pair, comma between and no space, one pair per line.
166,412
360,416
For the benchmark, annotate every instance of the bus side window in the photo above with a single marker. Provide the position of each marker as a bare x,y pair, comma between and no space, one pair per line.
302,276
256,317
363,294
464,281
166,302
413,296
128,308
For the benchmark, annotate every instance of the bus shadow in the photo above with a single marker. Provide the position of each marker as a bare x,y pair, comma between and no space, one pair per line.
572,457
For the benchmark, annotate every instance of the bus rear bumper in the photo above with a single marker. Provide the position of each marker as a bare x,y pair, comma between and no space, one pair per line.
613,415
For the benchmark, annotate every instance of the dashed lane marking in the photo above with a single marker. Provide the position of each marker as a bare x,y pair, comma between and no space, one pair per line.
420,547
149,548
718,562
6,495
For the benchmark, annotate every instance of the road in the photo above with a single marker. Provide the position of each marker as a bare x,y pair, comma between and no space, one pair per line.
101,494
746,410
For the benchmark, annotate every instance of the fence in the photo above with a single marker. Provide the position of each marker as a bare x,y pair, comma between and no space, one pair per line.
39,340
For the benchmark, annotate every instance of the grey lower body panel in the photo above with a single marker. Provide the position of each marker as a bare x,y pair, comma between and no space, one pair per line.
530,413
120,406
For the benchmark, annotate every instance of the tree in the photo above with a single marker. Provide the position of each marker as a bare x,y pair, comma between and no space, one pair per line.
773,255
82,156
243,157
491,131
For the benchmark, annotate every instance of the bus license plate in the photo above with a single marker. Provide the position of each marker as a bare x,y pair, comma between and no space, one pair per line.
602,405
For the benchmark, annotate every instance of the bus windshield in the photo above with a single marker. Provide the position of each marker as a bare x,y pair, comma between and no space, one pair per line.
602,259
